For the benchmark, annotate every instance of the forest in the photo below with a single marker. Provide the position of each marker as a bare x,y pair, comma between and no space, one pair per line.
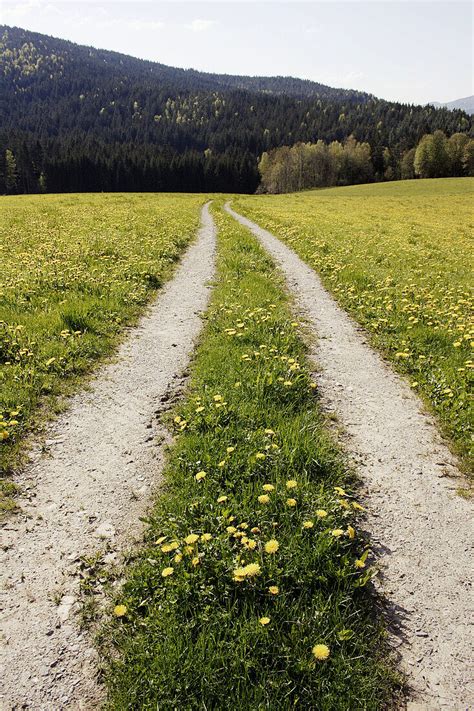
317,165
75,119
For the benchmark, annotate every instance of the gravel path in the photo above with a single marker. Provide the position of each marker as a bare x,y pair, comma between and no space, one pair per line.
88,493
418,524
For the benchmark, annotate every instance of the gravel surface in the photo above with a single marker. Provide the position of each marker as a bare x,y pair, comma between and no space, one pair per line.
87,492
421,529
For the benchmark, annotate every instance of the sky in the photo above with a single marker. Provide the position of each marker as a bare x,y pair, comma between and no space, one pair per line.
399,50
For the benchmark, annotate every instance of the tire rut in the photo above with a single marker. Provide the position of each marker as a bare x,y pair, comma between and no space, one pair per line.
88,492
420,528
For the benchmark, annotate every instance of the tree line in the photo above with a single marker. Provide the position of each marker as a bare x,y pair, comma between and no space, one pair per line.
316,165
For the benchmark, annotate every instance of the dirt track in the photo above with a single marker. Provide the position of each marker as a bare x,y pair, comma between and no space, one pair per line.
421,529
87,493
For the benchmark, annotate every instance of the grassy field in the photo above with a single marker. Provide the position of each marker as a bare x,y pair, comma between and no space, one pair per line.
397,256
75,270
250,592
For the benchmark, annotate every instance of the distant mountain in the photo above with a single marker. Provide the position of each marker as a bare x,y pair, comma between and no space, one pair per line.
79,118
466,104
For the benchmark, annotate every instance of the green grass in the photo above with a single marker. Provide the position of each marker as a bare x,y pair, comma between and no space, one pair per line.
397,256
76,269
193,639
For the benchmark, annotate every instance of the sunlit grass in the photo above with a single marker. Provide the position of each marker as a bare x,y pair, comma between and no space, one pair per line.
251,590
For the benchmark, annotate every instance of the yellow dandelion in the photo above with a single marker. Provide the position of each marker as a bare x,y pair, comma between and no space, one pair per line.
273,589
222,464
120,610
263,499
268,431
260,455
167,572
192,538
339,491
268,487
291,502
200,475
321,651
321,513
351,532
222,499
195,561
291,484
251,545
359,563
206,537
271,546
160,540
199,409
264,621
308,524
231,529
230,449
178,558
252,569
337,532
357,507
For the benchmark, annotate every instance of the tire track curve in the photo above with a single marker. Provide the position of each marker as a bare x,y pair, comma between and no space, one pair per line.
420,528
89,490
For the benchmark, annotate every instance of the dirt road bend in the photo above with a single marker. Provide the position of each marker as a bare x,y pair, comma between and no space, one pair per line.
422,530
87,492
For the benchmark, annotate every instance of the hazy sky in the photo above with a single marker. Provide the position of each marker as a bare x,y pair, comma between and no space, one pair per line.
407,51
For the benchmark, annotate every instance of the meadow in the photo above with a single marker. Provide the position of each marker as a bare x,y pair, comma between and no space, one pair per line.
76,269
397,257
251,590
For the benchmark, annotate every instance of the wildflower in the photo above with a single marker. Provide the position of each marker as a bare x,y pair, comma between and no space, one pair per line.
222,499
206,536
166,572
264,621
230,449
339,491
274,589
252,569
200,475
195,560
287,383
321,651
222,464
192,538
218,398
351,532
255,529
168,547
291,502
120,610
345,504
251,545
308,524
160,540
260,455
200,408
357,506
271,546
321,513
178,558
237,384
291,484
231,529
263,499
359,563
269,432
268,487
337,532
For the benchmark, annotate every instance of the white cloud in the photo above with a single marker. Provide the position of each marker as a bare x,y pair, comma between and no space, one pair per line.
201,25
143,25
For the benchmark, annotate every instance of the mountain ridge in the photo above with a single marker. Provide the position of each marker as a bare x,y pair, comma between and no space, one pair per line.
92,119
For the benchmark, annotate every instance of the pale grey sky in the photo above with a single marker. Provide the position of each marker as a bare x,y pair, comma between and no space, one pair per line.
407,51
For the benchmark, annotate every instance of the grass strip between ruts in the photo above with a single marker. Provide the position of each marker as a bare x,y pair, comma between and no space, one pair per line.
250,591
